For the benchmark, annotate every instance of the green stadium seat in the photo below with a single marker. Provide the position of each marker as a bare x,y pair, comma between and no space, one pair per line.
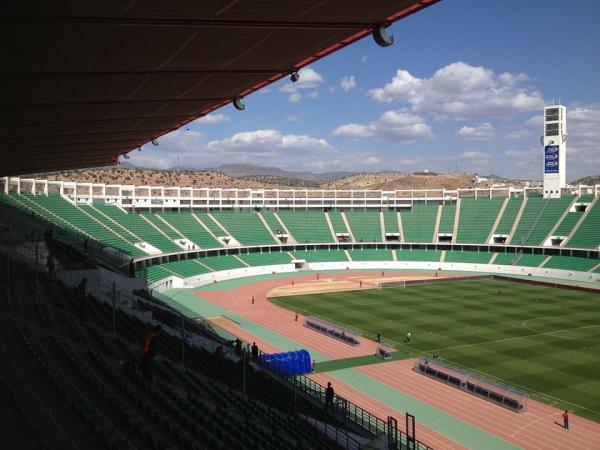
245,227
371,255
365,225
588,233
509,216
468,257
477,218
189,227
307,226
419,223
447,219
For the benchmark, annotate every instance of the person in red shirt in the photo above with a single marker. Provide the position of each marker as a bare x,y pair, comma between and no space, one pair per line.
148,352
565,417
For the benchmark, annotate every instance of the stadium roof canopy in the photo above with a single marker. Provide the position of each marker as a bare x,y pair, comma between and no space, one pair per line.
83,82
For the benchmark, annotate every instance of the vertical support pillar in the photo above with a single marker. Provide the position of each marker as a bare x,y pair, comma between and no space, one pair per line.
114,310
411,441
182,340
244,371
37,273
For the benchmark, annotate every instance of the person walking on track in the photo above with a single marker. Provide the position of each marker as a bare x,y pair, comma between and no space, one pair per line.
565,417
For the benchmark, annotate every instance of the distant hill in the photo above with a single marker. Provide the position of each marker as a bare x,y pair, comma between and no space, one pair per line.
281,181
245,170
590,180
219,179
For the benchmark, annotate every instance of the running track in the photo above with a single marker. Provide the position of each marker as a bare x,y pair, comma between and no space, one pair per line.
535,429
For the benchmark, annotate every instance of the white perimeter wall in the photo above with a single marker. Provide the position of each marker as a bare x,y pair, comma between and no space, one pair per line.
208,278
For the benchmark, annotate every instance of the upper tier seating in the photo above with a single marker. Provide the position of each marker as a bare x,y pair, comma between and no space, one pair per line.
189,227
568,223
509,216
477,218
307,226
390,221
419,223
162,226
138,226
548,217
58,210
213,226
246,227
365,225
111,226
447,218
588,233
272,221
337,222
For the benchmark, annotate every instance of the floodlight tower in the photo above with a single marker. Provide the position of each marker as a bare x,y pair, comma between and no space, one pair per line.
554,142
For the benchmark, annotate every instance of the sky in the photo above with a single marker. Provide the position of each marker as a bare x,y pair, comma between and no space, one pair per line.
462,89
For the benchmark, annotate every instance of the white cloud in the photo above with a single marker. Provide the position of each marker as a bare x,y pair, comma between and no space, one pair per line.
483,132
212,119
313,94
294,97
474,155
348,83
530,130
261,141
309,79
293,151
295,117
394,126
371,160
364,59
460,91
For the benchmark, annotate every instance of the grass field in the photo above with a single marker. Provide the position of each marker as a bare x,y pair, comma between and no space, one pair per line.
541,339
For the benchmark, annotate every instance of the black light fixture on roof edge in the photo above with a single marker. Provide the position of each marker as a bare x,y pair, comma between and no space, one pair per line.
382,37
154,142
237,103
295,76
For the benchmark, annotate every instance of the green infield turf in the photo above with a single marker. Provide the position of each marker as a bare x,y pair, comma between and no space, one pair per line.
540,339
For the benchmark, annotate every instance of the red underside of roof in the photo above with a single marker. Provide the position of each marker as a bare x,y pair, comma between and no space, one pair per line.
84,84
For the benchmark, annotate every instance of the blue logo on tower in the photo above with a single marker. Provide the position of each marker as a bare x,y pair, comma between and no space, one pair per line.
551,158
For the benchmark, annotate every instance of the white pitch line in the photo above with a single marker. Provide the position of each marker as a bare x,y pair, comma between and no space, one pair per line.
534,422
548,333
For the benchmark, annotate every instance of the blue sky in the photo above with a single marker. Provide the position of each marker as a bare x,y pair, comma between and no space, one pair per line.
462,89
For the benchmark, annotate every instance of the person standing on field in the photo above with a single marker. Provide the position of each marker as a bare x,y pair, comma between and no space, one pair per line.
408,336
565,417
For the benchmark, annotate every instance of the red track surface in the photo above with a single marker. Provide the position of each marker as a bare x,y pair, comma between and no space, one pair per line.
534,429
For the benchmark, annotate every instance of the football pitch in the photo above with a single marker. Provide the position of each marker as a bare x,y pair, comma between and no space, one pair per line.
541,339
